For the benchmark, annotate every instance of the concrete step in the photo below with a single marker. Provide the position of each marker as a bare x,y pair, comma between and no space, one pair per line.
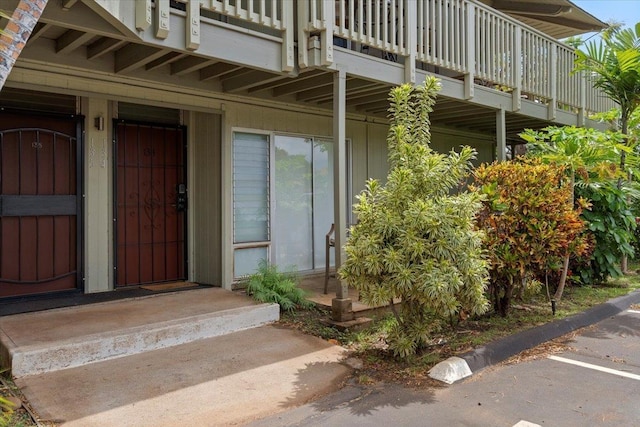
34,343
228,380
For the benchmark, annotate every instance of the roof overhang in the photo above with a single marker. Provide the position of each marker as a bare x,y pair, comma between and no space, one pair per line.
556,18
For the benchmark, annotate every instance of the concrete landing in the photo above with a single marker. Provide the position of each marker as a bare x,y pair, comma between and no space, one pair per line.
34,343
227,380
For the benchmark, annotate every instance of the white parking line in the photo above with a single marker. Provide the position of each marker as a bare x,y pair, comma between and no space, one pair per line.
633,311
596,367
523,423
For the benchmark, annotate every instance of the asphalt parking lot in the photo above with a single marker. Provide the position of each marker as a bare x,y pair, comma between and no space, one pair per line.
593,379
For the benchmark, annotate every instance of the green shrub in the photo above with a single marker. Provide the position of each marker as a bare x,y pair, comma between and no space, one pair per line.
270,285
612,225
414,240
530,223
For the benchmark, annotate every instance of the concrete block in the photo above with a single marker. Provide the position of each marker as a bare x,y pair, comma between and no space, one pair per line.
53,356
450,370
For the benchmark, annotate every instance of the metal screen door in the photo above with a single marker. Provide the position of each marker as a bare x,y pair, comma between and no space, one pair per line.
40,210
151,203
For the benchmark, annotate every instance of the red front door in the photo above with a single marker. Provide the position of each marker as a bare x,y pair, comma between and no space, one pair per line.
151,204
39,204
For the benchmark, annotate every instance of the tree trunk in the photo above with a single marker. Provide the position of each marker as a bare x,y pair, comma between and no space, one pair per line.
16,34
624,120
563,279
565,267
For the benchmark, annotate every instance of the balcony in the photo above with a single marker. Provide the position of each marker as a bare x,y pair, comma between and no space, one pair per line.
286,51
462,39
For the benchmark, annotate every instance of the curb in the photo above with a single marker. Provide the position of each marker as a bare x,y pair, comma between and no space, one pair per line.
497,351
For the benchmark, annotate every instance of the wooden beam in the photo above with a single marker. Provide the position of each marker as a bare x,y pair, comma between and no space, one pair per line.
354,87
38,31
305,84
367,99
217,70
103,46
373,105
134,56
271,85
189,64
71,40
164,60
67,4
246,81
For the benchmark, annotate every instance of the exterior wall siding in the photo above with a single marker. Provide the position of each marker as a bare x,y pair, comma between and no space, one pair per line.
211,122
205,197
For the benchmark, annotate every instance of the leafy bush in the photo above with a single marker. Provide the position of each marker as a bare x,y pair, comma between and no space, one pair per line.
530,224
270,285
612,224
592,159
414,240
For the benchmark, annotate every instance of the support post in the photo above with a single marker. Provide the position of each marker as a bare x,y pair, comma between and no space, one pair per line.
583,99
501,135
516,69
470,52
411,49
341,307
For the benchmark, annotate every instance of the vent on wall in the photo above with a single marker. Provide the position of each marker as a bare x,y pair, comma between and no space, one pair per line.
22,99
147,113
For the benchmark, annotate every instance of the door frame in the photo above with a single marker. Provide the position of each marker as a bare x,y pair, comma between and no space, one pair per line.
80,198
115,191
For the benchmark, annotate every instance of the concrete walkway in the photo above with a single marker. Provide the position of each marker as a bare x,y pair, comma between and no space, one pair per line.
227,380
205,357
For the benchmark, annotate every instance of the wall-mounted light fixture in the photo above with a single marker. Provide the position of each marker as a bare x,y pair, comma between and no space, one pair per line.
98,123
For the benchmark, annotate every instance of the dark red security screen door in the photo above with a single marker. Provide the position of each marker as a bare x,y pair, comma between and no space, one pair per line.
39,204
151,204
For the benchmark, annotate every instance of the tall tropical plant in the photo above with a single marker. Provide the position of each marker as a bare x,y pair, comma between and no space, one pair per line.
414,240
16,33
589,153
614,63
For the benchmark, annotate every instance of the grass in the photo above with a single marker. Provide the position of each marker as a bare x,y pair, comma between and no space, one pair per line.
379,365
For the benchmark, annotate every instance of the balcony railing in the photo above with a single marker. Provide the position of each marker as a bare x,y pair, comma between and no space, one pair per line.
272,18
465,37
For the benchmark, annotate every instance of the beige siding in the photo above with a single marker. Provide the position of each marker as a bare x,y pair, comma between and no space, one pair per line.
443,140
205,197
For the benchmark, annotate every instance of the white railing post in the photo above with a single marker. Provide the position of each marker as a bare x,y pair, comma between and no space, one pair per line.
288,28
411,29
163,16
303,37
470,52
553,82
143,14
192,26
326,42
516,69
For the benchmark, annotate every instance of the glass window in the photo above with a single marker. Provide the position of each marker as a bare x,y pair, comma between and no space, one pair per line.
250,188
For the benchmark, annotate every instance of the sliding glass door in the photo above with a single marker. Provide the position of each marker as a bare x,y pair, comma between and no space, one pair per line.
282,201
303,211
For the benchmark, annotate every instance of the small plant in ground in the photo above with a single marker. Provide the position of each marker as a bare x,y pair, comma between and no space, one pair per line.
269,284
414,240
